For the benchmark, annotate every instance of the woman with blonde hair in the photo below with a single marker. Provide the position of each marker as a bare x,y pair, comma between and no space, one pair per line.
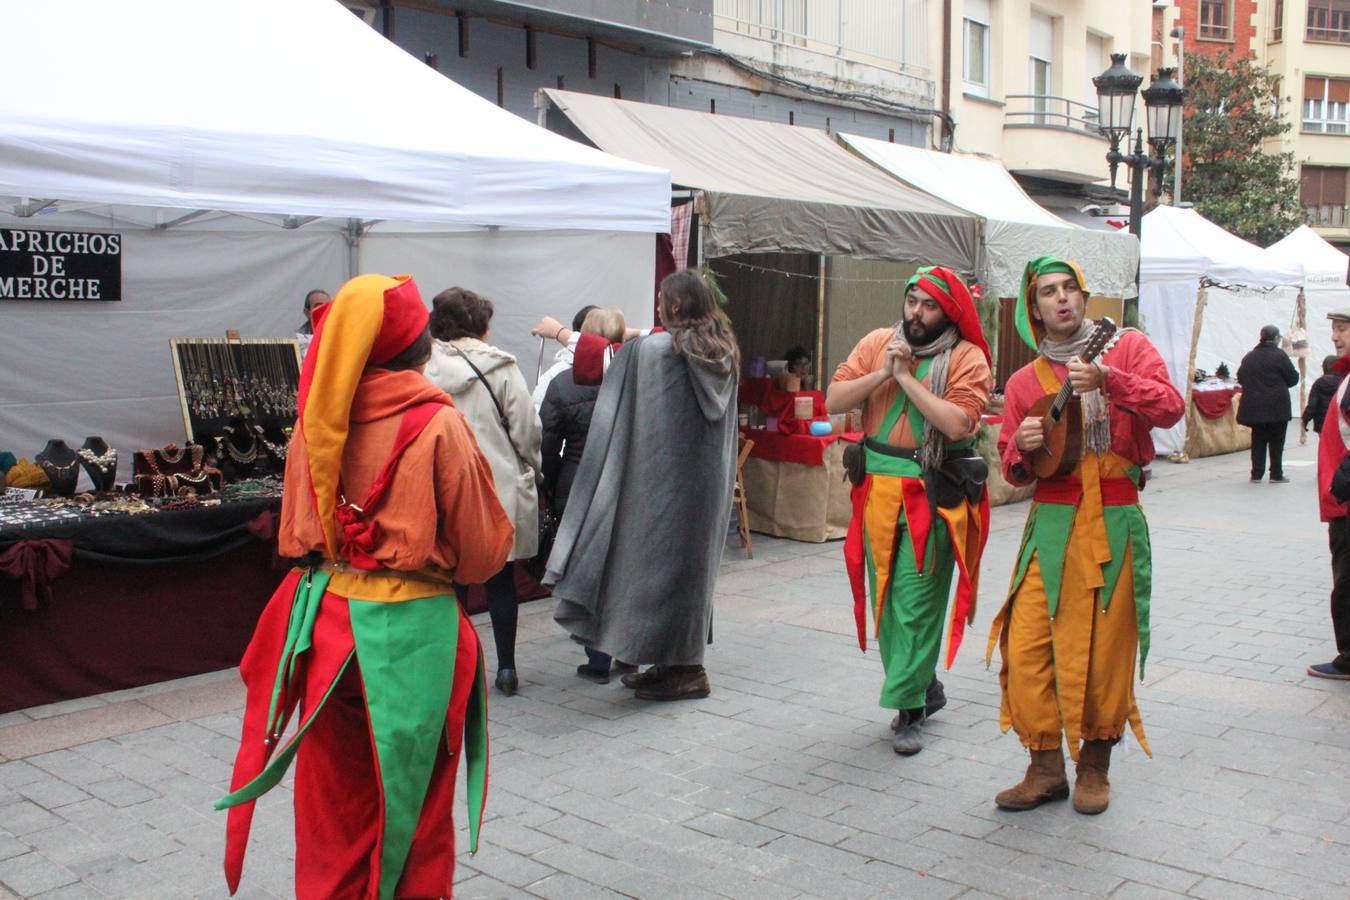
637,552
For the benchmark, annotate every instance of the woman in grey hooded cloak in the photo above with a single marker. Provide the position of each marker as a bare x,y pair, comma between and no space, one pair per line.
637,552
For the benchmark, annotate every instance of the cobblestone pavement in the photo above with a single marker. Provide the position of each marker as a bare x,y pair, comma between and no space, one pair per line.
783,783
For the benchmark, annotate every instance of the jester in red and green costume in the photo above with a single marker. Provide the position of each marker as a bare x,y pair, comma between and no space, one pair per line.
363,657
923,385
1077,613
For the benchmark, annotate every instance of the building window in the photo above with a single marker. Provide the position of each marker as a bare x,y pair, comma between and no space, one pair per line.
1322,193
1329,20
1326,105
1214,20
1041,42
976,42
1277,20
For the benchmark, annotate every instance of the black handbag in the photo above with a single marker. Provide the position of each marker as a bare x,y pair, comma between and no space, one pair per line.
958,479
855,466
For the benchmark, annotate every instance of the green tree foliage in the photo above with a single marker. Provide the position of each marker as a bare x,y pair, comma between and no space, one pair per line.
1233,107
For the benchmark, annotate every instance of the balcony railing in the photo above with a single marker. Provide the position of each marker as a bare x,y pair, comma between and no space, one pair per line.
893,32
1049,111
1324,215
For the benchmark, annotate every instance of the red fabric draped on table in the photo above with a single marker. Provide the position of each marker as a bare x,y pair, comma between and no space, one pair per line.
1214,404
796,448
35,564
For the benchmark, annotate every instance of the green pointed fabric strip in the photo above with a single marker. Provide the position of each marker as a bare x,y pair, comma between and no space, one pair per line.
407,681
269,777
1050,539
476,751
299,638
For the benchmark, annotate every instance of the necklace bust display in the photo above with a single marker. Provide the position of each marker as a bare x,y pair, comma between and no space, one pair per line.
100,462
62,466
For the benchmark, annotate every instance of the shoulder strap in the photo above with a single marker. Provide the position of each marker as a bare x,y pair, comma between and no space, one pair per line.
901,405
1050,383
410,427
501,413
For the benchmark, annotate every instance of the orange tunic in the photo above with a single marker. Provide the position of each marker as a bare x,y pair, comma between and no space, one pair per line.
423,523
969,384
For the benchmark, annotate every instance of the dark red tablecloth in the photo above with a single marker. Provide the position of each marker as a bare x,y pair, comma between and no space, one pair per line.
1214,404
795,448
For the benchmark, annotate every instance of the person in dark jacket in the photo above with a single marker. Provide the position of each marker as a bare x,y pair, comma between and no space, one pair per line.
566,417
1266,375
1320,394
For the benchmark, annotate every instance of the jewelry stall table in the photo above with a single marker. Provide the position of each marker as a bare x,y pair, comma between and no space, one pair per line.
102,603
795,486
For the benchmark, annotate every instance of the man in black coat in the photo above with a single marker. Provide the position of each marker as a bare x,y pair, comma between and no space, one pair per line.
1266,375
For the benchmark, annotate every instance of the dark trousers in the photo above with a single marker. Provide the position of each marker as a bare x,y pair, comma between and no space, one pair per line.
1338,534
503,609
1268,437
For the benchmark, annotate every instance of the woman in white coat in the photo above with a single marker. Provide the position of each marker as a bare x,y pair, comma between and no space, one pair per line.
489,389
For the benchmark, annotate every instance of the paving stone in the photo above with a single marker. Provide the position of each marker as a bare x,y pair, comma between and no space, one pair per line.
33,873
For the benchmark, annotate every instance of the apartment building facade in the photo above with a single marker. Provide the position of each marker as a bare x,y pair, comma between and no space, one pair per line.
840,65
1307,44
1021,88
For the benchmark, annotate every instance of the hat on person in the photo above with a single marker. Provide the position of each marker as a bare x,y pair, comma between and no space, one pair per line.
1340,315
951,293
372,319
1031,329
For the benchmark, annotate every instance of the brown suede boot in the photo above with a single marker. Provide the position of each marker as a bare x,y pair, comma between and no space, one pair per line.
1044,782
1092,789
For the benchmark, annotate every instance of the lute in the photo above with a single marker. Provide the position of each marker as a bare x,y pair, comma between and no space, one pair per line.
1063,412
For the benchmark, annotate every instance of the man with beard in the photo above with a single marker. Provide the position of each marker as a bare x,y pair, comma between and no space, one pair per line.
1078,604
919,511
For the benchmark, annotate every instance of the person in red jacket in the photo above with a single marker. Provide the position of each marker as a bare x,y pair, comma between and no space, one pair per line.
1333,490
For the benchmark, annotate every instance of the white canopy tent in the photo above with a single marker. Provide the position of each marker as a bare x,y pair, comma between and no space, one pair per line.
1325,286
1189,261
1016,228
246,160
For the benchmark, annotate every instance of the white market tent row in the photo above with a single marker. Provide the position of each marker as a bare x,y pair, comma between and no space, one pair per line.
1324,287
245,160
1204,295
769,187
1016,227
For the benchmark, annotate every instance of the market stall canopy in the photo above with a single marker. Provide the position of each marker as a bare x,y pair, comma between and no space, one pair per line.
294,108
1183,254
1016,228
1326,286
1324,266
1182,245
769,187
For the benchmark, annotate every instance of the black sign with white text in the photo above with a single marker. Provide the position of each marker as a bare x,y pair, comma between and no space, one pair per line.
59,265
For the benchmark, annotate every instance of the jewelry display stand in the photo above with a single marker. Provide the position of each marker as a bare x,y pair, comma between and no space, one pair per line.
62,466
173,471
238,399
100,462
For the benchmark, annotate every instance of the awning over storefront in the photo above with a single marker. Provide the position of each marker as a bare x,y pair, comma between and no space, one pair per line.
1016,228
768,187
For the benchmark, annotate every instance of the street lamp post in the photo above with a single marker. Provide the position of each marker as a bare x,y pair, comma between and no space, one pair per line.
1117,93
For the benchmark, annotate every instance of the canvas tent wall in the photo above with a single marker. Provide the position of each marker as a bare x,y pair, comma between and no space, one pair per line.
1204,295
1016,228
239,187
1325,287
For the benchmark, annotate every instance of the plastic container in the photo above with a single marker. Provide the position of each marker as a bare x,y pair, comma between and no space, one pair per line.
838,421
802,407
820,427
